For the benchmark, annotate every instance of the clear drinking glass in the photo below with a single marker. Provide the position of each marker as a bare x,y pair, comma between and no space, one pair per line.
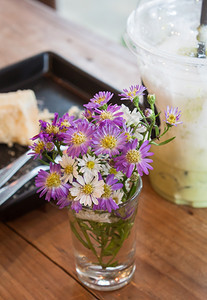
163,36
105,244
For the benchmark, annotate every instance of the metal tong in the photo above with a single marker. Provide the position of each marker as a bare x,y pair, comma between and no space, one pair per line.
6,173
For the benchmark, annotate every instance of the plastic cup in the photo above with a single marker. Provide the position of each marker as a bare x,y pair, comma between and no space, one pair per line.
162,35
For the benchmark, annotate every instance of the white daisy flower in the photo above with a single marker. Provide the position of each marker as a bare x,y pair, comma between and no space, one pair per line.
107,169
135,117
140,129
90,165
117,196
132,118
69,168
87,189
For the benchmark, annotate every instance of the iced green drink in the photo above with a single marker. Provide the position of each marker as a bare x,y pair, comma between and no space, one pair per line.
163,35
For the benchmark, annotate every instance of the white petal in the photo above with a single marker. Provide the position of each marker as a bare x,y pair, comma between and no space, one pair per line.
87,177
94,200
76,184
80,180
74,191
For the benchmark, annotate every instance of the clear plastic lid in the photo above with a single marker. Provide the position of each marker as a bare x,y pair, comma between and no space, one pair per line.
166,28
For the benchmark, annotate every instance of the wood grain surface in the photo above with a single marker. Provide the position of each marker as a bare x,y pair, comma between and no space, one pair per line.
36,257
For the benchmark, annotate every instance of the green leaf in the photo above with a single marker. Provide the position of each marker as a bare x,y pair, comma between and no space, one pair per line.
166,142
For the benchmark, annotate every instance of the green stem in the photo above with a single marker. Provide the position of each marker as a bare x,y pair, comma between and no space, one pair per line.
78,236
58,148
88,241
49,158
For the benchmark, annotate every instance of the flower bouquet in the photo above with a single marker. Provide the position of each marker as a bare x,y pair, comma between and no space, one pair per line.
95,166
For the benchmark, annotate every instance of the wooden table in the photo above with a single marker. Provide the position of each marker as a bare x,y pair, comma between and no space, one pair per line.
36,261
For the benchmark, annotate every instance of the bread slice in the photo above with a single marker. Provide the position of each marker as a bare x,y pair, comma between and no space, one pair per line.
18,117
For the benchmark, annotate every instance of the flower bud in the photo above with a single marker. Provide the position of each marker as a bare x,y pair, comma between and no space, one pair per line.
136,101
151,99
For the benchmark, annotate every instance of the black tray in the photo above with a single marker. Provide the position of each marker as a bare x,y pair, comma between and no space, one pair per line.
58,85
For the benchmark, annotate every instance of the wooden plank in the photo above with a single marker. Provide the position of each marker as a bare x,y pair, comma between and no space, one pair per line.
171,250
48,229
25,273
171,239
27,28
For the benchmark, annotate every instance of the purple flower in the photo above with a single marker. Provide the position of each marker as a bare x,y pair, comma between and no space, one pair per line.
76,206
128,131
99,99
112,182
106,201
90,106
38,148
108,139
43,125
68,200
65,200
134,158
88,113
112,113
45,143
172,116
51,130
65,122
134,91
78,138
51,183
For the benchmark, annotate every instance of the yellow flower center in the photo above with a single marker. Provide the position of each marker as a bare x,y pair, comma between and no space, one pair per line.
88,189
128,136
116,199
53,180
99,100
106,116
108,142
89,114
52,129
65,123
39,147
70,197
49,146
90,164
68,169
132,93
133,156
112,171
171,119
78,138
107,191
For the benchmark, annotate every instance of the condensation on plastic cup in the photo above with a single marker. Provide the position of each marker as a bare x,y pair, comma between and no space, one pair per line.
162,35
